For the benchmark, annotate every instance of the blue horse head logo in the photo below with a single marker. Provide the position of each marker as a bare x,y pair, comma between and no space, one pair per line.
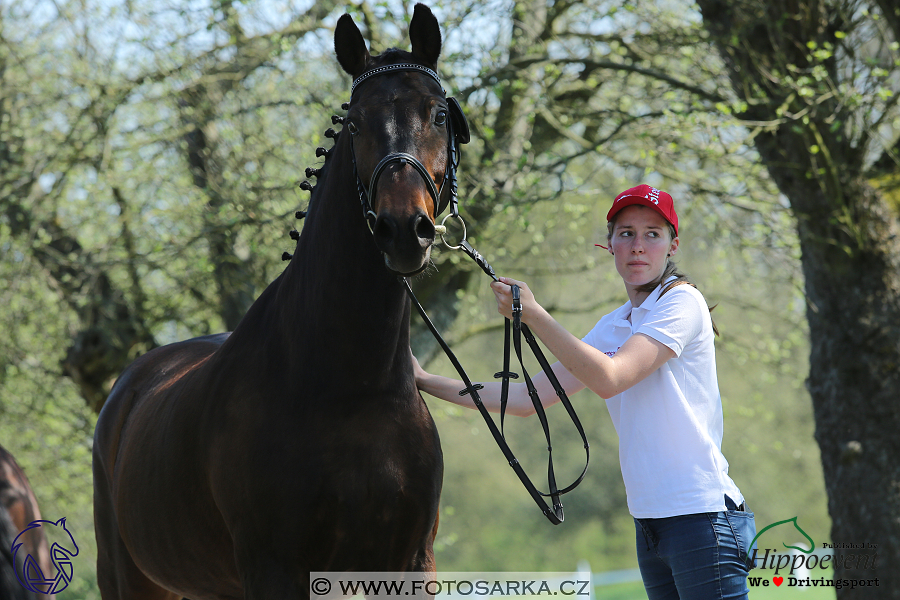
31,576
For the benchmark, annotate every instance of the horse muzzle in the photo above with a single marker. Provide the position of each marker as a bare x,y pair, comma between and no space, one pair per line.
405,242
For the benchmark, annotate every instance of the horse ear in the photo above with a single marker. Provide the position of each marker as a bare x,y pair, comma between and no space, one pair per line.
350,46
425,35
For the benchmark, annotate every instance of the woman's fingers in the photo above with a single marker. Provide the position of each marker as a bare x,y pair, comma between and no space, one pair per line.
503,293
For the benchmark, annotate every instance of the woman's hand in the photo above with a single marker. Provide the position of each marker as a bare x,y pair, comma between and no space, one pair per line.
503,293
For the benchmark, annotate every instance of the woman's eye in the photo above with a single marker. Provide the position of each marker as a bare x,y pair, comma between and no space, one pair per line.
441,117
352,128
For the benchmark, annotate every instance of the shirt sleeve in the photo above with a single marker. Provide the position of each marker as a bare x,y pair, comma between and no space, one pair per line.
677,318
596,335
592,336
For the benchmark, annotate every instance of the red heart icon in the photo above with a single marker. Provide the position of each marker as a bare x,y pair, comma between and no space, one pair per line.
778,580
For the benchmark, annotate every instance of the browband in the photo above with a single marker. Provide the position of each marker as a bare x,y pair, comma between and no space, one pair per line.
397,67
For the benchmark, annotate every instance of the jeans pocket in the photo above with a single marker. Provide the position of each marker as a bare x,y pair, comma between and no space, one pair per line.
743,525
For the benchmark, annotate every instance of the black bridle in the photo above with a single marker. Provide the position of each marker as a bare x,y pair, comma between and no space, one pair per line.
458,133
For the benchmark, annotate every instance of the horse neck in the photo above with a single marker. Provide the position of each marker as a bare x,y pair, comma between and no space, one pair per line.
337,290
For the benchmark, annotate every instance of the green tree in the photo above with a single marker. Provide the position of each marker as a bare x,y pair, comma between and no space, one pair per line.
818,83
154,203
158,121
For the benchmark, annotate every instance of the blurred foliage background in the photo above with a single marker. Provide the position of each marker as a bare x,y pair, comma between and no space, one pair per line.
151,155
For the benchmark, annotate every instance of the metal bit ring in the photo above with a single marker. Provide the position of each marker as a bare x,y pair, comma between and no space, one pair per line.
443,229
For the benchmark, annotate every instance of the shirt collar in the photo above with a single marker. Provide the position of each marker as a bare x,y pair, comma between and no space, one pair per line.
621,314
651,300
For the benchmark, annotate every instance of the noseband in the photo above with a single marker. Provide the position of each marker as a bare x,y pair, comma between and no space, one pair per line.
458,133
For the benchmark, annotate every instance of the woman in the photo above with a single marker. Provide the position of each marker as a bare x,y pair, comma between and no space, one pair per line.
653,360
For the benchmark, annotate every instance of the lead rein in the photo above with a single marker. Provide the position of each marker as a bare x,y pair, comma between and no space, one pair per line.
556,515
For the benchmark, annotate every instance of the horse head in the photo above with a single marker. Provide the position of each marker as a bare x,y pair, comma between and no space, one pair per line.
402,135
66,543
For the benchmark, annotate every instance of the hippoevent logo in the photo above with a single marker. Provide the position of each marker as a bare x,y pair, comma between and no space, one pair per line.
806,567
31,576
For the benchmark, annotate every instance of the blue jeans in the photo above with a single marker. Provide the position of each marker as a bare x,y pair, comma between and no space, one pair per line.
698,557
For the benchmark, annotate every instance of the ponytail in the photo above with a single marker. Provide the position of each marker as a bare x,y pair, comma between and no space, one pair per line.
671,270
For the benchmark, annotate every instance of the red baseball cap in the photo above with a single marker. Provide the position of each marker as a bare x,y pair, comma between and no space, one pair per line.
645,195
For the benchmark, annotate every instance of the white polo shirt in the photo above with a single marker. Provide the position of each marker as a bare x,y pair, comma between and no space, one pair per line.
670,424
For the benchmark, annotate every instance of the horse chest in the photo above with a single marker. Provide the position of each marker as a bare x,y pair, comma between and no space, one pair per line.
358,484
326,453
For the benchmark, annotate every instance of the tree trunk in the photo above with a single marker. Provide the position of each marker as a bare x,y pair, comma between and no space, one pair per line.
851,264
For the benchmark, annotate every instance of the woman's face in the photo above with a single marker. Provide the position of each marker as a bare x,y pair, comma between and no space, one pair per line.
641,242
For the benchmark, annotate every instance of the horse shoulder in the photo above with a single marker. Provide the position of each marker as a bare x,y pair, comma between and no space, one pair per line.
146,380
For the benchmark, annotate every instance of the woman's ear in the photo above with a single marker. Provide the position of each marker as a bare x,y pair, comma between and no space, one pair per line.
674,247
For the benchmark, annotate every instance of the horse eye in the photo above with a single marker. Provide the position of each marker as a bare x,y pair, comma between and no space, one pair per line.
352,128
441,117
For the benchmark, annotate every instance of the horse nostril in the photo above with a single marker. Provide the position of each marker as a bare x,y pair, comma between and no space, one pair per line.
424,229
385,231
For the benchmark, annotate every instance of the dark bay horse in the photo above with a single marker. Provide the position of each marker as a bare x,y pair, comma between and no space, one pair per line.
230,466
18,508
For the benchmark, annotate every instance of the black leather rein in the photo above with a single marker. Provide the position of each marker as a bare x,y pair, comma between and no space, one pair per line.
555,514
